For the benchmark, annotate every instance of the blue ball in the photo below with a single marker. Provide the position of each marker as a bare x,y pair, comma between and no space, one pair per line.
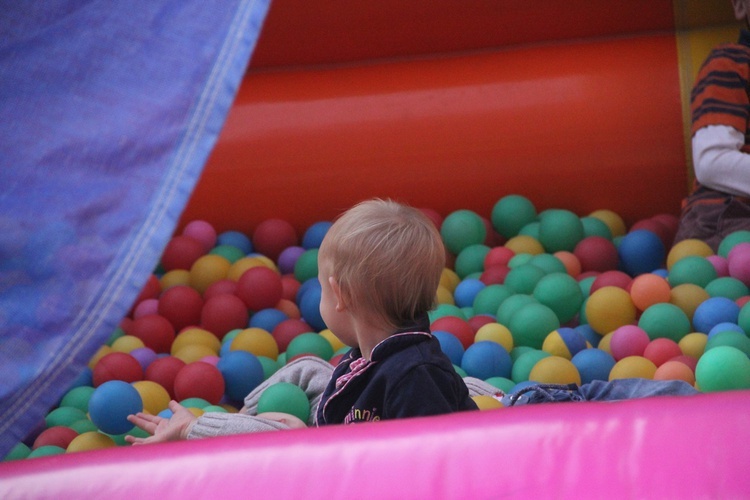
713,311
593,364
242,372
589,334
486,359
450,345
111,403
267,319
641,251
466,291
314,235
725,327
309,308
235,239
306,285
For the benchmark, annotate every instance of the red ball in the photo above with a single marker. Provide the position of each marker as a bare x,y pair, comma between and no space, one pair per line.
181,252
596,253
656,227
336,359
671,222
478,321
433,215
199,380
150,290
181,305
460,328
156,332
272,236
494,274
117,366
661,350
220,288
163,371
498,256
55,436
260,288
289,287
690,361
223,313
286,330
611,278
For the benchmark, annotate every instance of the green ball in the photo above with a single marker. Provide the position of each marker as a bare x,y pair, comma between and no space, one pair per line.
531,229
461,372
461,229
230,335
306,266
285,398
46,451
116,334
199,403
523,365
665,320
446,310
743,319
18,452
270,366
723,368
502,383
531,324
560,292
593,226
523,279
489,298
692,269
84,425
511,213
215,409
471,260
585,285
734,339
732,239
229,252
309,343
64,416
519,259
548,263
78,397
511,305
728,287
560,230
517,351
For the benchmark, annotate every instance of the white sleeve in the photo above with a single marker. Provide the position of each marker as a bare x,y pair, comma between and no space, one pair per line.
719,163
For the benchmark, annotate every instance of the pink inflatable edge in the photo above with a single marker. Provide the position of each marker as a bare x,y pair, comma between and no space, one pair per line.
666,447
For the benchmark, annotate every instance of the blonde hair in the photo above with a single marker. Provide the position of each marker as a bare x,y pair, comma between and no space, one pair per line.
387,258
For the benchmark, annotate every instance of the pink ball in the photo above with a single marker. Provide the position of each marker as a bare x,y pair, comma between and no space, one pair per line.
720,264
596,253
199,380
433,215
739,262
661,350
628,340
181,305
148,306
223,313
272,236
259,288
203,232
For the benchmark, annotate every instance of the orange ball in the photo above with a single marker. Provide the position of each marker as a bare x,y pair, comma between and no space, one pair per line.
674,370
570,261
649,289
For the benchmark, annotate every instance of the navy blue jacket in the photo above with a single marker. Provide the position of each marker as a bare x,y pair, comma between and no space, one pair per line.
408,376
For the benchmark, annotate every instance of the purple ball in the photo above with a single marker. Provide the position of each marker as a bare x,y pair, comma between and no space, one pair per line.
288,257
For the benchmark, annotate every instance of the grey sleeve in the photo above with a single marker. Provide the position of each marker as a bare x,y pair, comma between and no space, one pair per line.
214,424
479,387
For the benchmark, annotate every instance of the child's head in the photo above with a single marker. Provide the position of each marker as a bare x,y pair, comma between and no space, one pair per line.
741,10
387,259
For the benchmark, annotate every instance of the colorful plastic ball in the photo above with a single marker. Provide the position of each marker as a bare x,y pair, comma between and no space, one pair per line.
155,397
511,305
734,339
531,324
207,270
725,327
229,252
78,397
201,231
144,355
560,292
221,287
55,436
90,441
641,251
738,261
548,263
723,368
524,244
466,292
692,269
609,308
564,342
665,320
117,366
628,340
555,370
713,311
156,332
484,402
181,252
731,240
495,332
611,278
649,289
235,239
524,278
570,262
675,370
693,344
457,326
18,452
63,416
450,345
163,371
176,277
489,298
559,230
613,220
46,451
146,306
596,253
288,258
462,228
687,248
181,306
512,212
470,260
661,350
728,287
743,318
309,307
287,330
196,336
110,405
633,367
309,343
593,364
306,266
223,313
285,398
272,236
238,267
485,359
242,373
688,297
593,226
256,341
498,256
589,334
201,380
314,234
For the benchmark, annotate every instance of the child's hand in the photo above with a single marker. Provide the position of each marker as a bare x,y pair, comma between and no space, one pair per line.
163,429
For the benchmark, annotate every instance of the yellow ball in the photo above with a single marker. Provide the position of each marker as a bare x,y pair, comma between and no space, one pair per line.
256,341
127,343
633,367
155,397
174,277
195,336
194,352
241,265
688,297
196,411
609,308
604,343
555,370
524,244
693,344
103,351
449,279
486,402
270,264
444,296
332,339
92,440
496,333
687,248
207,270
613,221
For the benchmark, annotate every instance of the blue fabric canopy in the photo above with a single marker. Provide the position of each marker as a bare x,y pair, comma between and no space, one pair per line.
108,112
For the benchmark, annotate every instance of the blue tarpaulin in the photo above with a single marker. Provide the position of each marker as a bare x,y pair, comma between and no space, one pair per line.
108,112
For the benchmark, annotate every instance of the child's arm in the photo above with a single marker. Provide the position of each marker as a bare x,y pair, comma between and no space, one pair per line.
163,429
719,164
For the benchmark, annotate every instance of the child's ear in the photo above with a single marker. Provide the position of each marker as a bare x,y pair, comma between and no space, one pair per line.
340,303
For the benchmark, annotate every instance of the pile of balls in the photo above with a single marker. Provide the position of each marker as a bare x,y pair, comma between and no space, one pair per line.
526,297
